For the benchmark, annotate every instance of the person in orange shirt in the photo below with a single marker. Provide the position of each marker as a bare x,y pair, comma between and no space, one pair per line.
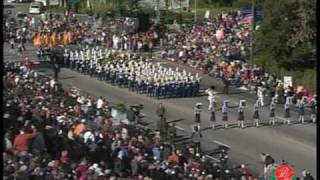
46,39
69,37
64,38
41,39
79,129
35,39
21,141
53,39
173,158
59,38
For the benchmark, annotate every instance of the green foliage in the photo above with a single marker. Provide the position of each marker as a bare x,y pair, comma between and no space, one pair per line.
56,9
242,3
247,3
276,35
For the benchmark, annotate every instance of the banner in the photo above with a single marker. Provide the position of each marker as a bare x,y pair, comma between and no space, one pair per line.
207,14
287,81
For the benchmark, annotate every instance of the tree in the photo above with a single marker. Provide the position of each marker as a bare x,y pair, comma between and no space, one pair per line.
305,29
285,41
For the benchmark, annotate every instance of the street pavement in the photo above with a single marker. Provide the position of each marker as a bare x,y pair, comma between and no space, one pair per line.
24,8
296,143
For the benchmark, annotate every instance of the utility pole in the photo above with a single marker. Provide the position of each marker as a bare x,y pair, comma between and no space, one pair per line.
180,13
119,4
158,12
252,32
195,11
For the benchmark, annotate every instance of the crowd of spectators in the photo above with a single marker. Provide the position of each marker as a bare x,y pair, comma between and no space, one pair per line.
220,46
222,38
54,133
112,33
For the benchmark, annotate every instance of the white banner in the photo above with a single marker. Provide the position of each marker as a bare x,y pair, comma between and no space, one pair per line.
207,14
287,81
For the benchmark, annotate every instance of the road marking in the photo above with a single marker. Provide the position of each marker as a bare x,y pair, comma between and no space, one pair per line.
180,128
218,142
212,158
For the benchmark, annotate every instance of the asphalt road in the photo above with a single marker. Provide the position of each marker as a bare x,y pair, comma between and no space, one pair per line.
24,8
296,143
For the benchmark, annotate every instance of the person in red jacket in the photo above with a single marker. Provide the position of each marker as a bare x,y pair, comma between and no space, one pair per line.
173,158
21,141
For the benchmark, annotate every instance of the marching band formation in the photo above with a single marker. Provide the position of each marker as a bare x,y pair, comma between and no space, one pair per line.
132,71
302,104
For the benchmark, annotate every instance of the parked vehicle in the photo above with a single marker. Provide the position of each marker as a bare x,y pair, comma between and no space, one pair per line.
22,1
45,3
35,8
21,16
11,1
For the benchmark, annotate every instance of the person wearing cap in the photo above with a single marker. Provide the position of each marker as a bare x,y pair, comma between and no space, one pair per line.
212,109
150,87
156,90
286,113
260,94
77,60
162,88
301,105
313,106
92,67
188,89
225,114
256,115
241,116
272,113
66,59
72,60
196,87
